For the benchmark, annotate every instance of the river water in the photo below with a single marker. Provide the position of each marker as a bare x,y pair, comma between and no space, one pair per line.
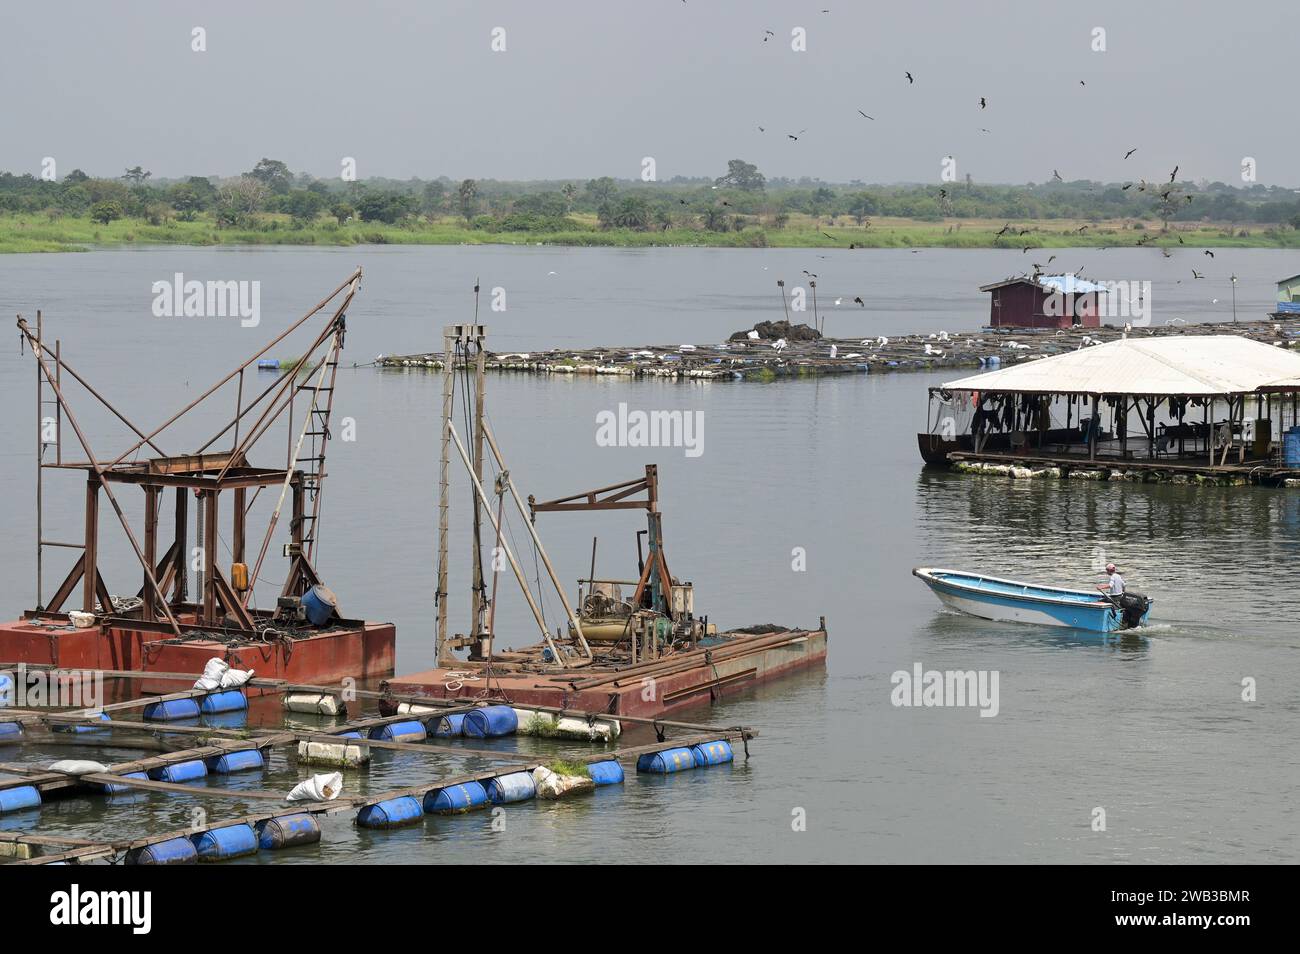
1152,731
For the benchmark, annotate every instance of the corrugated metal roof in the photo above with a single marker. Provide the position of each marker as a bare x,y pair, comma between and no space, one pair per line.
1066,284
1069,285
1169,365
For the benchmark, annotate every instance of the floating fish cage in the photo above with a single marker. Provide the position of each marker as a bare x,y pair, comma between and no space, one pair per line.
190,753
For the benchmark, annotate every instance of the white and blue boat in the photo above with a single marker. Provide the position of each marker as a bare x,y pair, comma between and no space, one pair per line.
990,597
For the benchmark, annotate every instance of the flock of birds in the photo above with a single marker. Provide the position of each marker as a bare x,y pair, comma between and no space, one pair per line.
1168,195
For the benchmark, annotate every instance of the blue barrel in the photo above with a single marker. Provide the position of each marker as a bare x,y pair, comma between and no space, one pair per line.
220,844
713,753
455,799
83,729
319,604
445,726
288,831
15,799
411,731
1291,447
173,851
667,761
268,364
108,788
11,731
171,710
349,735
515,787
232,700
245,760
606,773
490,722
179,772
393,813
225,720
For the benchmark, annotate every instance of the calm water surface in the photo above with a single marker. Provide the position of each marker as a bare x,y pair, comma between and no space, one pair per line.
1152,730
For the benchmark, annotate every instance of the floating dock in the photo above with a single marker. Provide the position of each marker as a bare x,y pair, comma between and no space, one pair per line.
437,731
1213,410
767,360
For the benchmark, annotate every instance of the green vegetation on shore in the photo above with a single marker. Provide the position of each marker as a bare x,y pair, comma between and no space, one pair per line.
272,206
19,233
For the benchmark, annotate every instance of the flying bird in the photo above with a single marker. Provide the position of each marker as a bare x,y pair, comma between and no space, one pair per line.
1057,176
1130,152
983,102
1209,253
1006,228
1173,175
858,301
861,113
909,79
1196,274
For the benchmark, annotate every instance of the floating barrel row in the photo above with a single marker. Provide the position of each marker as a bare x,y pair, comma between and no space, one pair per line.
467,796
231,841
84,729
242,760
680,759
230,700
500,720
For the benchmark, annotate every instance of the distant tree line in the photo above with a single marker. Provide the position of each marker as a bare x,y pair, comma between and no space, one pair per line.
739,199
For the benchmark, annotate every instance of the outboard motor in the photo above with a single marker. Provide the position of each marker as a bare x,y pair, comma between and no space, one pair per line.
1134,606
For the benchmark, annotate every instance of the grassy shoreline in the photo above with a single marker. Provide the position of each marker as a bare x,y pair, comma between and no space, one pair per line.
39,233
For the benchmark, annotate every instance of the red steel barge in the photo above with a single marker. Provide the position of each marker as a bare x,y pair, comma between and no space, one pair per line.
643,655
159,627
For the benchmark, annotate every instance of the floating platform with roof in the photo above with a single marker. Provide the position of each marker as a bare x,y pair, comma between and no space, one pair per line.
1211,408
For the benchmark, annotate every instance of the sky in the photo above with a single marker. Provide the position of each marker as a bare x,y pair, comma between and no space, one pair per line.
585,89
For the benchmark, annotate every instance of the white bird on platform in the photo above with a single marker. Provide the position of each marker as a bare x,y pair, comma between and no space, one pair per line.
752,336
834,350
780,344
838,300
882,341
933,351
943,336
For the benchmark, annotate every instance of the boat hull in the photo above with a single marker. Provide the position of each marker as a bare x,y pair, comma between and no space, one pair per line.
1010,601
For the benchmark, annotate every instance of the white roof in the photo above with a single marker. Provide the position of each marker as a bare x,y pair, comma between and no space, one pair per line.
1069,285
1172,365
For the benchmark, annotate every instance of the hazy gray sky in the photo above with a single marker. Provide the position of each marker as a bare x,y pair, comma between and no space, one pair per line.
590,88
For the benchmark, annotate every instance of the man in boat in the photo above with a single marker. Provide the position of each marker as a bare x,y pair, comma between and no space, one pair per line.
1113,586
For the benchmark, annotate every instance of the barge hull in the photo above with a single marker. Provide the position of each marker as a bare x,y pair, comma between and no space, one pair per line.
366,650
631,694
